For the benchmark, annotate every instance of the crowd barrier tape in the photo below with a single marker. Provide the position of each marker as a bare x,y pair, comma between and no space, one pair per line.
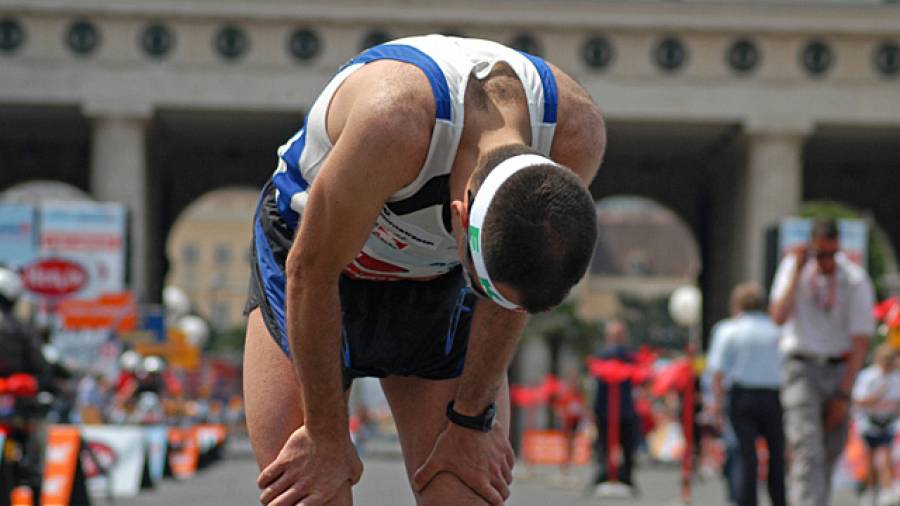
549,447
114,463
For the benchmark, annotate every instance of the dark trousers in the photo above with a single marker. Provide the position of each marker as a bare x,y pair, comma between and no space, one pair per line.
629,436
731,469
757,412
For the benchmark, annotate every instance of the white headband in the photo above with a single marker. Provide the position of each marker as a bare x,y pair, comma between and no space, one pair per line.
479,211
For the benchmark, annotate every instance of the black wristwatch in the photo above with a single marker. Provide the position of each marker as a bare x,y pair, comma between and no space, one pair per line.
482,422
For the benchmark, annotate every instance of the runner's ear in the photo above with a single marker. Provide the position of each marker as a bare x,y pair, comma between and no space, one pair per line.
460,211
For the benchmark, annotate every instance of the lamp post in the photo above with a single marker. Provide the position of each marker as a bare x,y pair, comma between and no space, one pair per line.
686,308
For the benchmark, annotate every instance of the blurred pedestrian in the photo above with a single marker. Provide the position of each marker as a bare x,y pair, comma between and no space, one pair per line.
748,352
616,348
717,406
876,397
824,301
570,411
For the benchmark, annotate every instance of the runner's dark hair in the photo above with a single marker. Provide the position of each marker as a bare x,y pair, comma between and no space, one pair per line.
540,230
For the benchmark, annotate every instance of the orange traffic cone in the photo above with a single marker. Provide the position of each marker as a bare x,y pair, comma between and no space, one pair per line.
22,496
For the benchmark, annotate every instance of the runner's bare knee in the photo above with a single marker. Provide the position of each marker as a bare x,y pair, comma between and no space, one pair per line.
448,490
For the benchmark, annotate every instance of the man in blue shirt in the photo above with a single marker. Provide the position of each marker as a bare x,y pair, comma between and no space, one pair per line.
731,467
748,350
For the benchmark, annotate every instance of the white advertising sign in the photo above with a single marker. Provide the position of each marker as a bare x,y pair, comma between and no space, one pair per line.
116,462
88,350
18,244
155,439
91,237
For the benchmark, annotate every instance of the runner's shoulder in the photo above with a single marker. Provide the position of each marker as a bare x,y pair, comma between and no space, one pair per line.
394,96
580,138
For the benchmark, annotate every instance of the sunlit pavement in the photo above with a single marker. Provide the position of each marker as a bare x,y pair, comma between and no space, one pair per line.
231,482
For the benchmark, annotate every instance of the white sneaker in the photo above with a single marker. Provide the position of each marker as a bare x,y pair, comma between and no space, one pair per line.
613,490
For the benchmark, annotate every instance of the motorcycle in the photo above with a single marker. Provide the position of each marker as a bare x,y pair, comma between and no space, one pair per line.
22,409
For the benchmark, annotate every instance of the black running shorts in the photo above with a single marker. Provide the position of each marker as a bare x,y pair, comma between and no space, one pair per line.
407,328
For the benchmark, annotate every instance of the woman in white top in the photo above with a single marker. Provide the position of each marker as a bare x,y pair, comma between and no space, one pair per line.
876,395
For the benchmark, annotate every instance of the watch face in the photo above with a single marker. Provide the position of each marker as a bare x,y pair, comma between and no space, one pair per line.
489,415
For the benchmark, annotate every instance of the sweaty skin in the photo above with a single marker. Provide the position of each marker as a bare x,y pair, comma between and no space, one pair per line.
380,122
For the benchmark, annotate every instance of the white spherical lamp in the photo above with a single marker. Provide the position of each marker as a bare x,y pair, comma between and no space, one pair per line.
195,329
176,302
685,305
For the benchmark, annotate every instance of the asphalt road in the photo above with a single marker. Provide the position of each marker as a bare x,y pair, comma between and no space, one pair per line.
231,482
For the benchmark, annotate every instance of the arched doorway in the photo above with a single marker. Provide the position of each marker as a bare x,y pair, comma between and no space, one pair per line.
644,252
208,254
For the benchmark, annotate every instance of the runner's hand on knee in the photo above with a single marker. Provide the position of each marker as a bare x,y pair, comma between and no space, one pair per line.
309,471
481,460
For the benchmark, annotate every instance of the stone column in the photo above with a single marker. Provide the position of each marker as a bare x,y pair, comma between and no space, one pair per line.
772,187
119,174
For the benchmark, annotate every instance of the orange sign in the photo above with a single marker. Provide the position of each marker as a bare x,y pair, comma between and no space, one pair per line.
177,350
184,453
63,445
893,338
549,447
109,311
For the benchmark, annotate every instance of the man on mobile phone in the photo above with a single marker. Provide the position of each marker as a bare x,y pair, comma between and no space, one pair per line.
825,303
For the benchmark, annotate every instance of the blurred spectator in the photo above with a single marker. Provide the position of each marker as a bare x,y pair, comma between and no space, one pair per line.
127,383
716,409
876,397
748,351
616,348
570,410
150,377
94,395
825,302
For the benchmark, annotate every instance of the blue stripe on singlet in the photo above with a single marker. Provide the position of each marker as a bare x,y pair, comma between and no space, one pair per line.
417,57
272,280
548,82
291,181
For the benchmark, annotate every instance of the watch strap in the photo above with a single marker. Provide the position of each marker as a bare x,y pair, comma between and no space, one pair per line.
482,422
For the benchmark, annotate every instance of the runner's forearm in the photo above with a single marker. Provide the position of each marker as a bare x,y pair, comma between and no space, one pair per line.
313,318
492,343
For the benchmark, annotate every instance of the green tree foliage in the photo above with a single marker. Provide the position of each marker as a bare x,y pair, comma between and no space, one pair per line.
649,322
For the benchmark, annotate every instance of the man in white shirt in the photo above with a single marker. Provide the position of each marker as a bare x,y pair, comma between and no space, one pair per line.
825,303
